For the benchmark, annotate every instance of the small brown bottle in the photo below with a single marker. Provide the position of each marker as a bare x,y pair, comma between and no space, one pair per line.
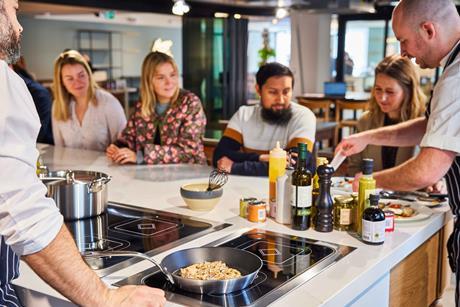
373,229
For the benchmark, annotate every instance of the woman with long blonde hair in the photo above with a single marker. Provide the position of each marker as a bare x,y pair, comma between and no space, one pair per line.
396,97
168,123
83,115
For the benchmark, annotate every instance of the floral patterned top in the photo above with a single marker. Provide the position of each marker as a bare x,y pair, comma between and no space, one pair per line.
181,132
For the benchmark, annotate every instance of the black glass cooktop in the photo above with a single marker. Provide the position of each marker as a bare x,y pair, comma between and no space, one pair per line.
288,262
129,228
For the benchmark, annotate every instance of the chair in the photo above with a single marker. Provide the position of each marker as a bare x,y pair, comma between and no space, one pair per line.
351,123
321,107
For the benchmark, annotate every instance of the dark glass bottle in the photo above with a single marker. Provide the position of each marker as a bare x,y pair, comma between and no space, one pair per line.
301,192
324,203
373,222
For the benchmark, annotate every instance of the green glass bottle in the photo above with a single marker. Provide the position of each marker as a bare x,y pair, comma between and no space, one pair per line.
301,191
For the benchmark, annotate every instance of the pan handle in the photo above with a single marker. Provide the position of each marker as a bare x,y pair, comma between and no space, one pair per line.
100,254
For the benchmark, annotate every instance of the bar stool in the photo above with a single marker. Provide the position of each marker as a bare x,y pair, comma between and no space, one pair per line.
350,123
322,106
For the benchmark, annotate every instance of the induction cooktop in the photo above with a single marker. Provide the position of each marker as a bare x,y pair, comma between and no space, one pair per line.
288,261
128,228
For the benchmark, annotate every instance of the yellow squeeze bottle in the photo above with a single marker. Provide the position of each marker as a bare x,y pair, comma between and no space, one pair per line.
276,168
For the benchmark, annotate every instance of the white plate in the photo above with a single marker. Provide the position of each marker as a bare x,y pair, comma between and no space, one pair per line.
422,213
431,204
342,183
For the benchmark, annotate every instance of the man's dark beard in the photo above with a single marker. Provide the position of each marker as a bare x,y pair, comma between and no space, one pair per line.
10,47
279,118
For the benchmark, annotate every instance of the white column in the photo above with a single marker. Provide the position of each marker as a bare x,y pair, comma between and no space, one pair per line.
310,51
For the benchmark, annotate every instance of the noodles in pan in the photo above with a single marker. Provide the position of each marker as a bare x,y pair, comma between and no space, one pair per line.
215,270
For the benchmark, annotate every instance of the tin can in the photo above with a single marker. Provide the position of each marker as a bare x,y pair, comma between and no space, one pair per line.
343,212
244,205
389,221
257,211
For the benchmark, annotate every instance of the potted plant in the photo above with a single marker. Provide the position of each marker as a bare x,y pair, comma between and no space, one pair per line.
266,52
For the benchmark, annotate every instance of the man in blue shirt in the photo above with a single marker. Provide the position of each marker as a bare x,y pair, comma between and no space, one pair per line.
43,102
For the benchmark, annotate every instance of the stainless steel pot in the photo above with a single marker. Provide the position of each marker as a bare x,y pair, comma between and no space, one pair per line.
244,261
78,194
90,234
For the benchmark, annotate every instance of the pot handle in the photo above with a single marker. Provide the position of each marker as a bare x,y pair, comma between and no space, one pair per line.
69,176
97,184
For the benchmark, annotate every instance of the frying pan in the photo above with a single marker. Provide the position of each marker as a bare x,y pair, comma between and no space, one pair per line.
244,261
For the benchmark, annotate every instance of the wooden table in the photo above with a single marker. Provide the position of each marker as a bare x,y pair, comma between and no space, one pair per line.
352,100
325,131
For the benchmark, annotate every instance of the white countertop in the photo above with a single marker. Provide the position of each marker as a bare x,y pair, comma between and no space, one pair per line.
157,187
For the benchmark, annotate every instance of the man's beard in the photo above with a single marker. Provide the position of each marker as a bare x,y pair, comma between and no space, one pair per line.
10,47
279,117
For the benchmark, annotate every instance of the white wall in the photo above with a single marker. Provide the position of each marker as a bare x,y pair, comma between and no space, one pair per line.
43,40
310,51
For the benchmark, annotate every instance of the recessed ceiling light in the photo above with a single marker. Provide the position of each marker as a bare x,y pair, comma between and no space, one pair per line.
180,7
220,15
281,12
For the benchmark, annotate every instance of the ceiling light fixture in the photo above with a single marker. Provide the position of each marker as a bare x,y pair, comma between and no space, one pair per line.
180,7
281,12
237,16
220,15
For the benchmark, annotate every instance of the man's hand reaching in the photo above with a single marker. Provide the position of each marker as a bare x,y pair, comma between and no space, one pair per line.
353,144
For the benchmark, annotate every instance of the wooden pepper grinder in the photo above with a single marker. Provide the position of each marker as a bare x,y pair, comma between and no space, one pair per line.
324,203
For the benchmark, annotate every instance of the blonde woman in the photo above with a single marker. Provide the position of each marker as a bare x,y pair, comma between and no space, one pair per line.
83,115
396,97
168,123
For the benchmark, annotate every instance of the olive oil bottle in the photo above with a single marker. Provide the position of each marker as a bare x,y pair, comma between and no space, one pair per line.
366,188
301,191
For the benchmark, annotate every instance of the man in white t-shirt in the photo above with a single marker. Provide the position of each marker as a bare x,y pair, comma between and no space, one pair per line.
30,224
254,130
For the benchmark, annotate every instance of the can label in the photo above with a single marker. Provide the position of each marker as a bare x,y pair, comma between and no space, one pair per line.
373,232
262,214
244,205
345,217
257,212
389,221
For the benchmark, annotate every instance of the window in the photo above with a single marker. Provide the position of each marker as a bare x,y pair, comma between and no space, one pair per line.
279,40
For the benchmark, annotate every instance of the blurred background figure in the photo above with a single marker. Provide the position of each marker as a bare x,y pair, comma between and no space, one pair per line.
42,100
168,123
396,97
84,116
349,64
